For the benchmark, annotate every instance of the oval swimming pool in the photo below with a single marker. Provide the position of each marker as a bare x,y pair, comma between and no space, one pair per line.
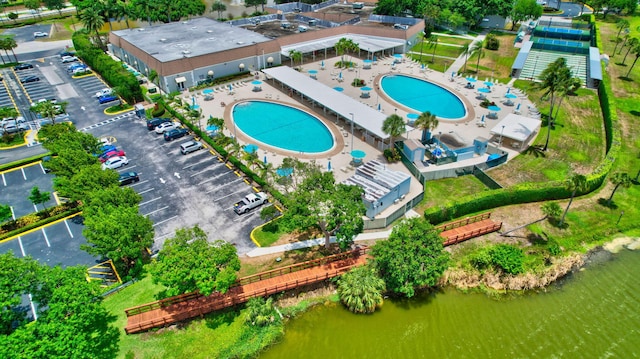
282,126
421,96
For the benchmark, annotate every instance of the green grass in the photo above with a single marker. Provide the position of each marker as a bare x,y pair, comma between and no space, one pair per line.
268,234
453,40
443,190
12,140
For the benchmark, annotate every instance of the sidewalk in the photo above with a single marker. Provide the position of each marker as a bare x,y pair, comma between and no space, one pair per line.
459,62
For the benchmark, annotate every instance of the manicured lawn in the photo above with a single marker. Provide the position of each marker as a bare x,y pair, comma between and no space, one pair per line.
443,190
11,140
495,63
453,40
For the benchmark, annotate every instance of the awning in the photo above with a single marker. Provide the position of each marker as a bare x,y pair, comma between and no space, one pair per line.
516,127
180,79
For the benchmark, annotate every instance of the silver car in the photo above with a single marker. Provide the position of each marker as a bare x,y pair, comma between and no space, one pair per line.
190,146
167,126
115,162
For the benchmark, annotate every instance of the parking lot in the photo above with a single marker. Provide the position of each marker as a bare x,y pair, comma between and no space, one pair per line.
183,190
16,186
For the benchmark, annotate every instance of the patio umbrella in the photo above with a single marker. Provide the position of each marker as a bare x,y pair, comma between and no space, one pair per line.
484,90
508,89
510,96
284,172
412,117
207,91
338,88
250,148
340,75
453,73
322,63
493,108
366,89
422,66
379,108
471,79
482,119
265,159
329,166
488,83
518,107
230,87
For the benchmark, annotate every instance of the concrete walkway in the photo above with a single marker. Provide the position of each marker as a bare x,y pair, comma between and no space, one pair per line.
459,62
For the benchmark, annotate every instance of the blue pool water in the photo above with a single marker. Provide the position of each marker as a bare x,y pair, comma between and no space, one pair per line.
282,126
422,96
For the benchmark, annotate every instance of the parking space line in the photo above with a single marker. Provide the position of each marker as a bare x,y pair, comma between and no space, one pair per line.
13,215
46,239
24,175
21,247
166,220
55,196
42,167
203,171
35,208
224,185
145,191
68,229
33,307
230,194
156,211
195,164
213,178
246,217
125,169
149,201
4,180
139,183
35,229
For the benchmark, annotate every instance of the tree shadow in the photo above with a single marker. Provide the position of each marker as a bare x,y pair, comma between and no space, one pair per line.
537,239
224,317
621,64
625,78
535,150
605,203
635,113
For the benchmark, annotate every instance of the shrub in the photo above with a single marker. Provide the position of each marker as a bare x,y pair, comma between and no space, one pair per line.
508,258
158,109
392,155
357,83
481,259
553,247
492,42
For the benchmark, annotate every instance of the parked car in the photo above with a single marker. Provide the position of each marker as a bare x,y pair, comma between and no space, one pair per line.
23,67
30,78
167,126
103,92
106,148
250,202
107,155
38,34
128,178
42,100
76,66
154,122
107,99
115,163
66,53
67,59
190,146
173,134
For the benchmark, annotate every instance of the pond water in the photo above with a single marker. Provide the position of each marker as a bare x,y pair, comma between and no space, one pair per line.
593,313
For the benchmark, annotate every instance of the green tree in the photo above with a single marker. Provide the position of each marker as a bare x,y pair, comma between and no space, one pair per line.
295,56
426,122
551,210
576,184
121,234
345,46
189,263
552,80
524,10
5,213
619,179
320,203
433,42
9,43
33,5
218,7
48,109
109,197
19,277
55,5
508,258
86,181
68,162
621,25
360,289
633,42
478,48
413,256
37,197
93,22
261,312
394,127
255,4
636,51
466,51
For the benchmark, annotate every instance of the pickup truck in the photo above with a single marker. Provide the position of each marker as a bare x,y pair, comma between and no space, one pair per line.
250,202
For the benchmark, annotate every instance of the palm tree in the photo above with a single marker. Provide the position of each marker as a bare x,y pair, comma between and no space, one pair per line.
219,7
552,80
93,22
260,312
295,56
343,46
569,87
636,51
426,122
478,47
9,43
466,51
576,183
621,25
394,127
619,179
433,41
633,42
360,289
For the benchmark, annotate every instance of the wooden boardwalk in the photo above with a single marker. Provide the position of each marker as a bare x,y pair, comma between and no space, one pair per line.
171,310
186,306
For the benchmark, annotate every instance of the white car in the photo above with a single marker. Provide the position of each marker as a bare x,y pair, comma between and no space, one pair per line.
43,100
167,126
38,34
115,162
68,59
104,91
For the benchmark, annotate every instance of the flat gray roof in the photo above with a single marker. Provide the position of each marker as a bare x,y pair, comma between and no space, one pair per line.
366,43
363,115
195,37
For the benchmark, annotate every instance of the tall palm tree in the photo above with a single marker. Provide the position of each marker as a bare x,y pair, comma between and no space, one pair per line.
553,79
619,179
569,87
433,41
466,51
576,183
636,51
426,122
295,56
219,7
620,25
478,48
360,289
633,42
394,127
93,22
11,44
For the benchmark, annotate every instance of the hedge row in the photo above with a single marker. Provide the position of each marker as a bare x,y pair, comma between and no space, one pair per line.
112,72
23,162
222,152
73,210
536,192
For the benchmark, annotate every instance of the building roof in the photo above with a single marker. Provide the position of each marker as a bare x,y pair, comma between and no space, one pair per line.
366,43
516,127
376,180
363,115
195,37
595,67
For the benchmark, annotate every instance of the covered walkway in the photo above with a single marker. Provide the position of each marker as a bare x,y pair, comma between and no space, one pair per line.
371,44
344,106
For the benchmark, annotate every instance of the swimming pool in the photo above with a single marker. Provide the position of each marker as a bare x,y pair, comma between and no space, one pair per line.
282,126
421,96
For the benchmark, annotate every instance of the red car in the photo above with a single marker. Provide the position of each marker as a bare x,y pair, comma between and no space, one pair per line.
104,157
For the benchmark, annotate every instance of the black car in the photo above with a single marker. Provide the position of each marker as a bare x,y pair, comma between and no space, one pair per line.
128,178
67,53
23,67
28,79
173,134
155,122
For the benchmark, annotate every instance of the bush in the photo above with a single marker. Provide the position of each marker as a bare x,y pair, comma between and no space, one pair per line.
158,110
357,82
392,155
553,247
481,259
492,42
508,258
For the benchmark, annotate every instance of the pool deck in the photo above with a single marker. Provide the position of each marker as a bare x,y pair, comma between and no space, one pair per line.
464,131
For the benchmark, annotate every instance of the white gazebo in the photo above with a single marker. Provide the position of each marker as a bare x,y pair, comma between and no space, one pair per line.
517,128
